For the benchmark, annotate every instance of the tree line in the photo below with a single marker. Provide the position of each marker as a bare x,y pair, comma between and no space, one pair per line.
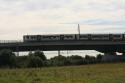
37,59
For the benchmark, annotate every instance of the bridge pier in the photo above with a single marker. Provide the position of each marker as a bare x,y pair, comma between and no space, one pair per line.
59,53
67,52
17,51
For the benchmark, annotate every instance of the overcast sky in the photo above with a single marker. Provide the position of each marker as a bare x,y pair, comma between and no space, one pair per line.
19,17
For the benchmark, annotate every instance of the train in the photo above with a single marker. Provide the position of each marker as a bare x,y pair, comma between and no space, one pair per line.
74,37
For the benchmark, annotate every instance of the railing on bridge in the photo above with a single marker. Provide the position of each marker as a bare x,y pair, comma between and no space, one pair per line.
10,41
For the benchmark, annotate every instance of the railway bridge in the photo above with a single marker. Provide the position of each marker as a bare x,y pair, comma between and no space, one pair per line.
101,46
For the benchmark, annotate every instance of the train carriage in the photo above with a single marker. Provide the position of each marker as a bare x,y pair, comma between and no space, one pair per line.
30,38
68,37
71,37
124,37
100,37
50,37
116,37
83,37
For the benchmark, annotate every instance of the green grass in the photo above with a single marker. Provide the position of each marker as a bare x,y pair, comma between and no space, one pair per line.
98,73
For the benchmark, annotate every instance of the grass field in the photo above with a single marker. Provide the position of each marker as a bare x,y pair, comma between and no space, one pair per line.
98,73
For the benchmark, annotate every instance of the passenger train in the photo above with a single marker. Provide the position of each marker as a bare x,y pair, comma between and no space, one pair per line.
74,37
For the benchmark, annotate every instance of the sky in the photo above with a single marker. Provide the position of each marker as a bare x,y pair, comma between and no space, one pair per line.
22,17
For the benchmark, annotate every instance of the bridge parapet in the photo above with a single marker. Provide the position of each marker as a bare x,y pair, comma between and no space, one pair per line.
10,41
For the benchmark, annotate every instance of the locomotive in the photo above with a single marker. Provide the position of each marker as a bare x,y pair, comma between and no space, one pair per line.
74,37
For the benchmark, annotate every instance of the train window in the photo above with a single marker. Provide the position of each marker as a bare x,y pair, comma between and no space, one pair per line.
106,36
27,37
84,36
32,37
100,36
96,36
45,36
117,35
52,37
55,36
68,36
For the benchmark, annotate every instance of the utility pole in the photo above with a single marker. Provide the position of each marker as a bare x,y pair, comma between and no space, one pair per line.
67,53
78,29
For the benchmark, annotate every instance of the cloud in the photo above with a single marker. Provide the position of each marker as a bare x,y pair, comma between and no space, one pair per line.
45,16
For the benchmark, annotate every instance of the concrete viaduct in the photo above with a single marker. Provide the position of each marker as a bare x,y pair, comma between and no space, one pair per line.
101,46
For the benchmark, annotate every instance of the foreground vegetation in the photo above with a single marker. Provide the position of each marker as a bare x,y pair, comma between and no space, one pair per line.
96,73
36,68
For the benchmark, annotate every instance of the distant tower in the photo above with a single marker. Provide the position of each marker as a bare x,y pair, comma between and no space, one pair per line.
78,29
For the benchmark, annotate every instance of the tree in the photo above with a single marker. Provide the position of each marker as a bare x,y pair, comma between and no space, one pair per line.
90,59
7,58
59,60
75,60
21,61
35,61
40,54
99,57
30,53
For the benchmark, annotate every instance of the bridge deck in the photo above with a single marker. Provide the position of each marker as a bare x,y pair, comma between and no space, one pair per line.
65,45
